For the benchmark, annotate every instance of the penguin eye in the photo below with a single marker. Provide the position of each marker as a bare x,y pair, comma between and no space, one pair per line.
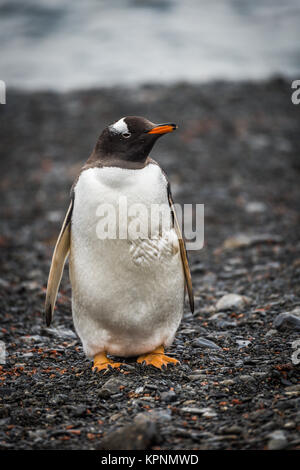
126,135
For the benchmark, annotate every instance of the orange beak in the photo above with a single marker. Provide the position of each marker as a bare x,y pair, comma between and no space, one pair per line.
163,129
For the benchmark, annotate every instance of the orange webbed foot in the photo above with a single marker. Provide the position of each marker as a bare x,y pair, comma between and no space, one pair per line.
102,362
157,358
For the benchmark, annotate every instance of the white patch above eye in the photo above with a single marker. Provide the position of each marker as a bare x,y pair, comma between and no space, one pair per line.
119,127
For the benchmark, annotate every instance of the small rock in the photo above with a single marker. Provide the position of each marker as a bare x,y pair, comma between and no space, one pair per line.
242,240
61,332
277,440
168,396
110,387
287,321
246,378
255,207
198,268
34,339
292,389
227,382
206,412
28,355
237,241
232,301
289,425
79,411
271,332
139,435
226,324
242,343
59,399
204,343
296,311
115,417
195,377
234,429
158,416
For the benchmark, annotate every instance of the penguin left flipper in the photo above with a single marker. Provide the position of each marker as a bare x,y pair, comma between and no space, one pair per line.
59,258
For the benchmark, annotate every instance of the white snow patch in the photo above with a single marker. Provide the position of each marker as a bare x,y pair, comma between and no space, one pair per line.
119,127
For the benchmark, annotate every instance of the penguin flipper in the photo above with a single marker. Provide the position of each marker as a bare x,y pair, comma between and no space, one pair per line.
60,254
183,253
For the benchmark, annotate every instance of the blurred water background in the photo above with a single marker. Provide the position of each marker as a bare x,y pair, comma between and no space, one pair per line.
64,44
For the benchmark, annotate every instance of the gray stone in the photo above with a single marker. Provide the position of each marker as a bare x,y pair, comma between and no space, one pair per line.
168,396
205,343
34,339
277,440
195,377
227,382
205,412
139,435
255,207
232,301
287,321
246,378
234,429
158,416
242,343
271,332
110,387
61,332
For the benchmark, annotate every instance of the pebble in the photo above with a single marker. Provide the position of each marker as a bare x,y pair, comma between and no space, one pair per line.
159,415
242,343
234,429
195,377
287,321
168,397
206,412
271,332
34,339
246,378
242,240
205,343
277,440
237,241
255,207
232,301
61,332
227,382
138,435
226,324
289,425
110,387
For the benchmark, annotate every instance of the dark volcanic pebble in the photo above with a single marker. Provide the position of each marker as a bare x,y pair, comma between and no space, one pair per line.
286,321
136,436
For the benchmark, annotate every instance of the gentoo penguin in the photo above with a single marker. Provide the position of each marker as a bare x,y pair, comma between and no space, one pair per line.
127,292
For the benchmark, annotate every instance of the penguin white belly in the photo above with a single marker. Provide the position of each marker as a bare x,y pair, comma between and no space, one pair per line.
127,294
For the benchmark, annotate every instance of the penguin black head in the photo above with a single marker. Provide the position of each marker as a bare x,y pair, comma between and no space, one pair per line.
130,139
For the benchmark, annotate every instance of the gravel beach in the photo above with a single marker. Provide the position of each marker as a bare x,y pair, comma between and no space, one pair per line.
237,152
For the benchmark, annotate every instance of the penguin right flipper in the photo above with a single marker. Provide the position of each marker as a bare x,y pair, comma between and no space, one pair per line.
59,258
183,253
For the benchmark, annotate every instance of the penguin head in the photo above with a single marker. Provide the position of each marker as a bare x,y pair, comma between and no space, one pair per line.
130,139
